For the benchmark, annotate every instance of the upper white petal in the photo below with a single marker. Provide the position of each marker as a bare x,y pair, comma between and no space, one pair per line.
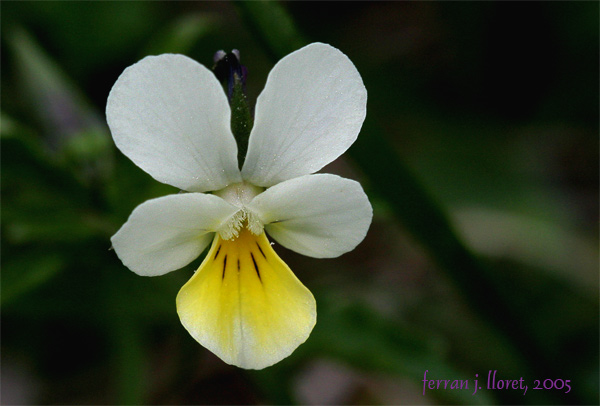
171,117
320,215
310,112
167,233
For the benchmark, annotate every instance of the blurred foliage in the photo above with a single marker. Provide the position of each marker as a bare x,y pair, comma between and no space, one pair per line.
479,154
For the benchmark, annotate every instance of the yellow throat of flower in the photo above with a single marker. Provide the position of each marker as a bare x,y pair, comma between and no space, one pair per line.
244,303
239,194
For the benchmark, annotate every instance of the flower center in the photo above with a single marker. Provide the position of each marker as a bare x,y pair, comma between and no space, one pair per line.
240,194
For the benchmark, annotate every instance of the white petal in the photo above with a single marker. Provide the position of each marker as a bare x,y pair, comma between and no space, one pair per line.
170,116
310,112
321,215
169,232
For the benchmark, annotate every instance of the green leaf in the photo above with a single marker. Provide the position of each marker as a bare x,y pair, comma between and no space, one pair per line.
42,201
182,34
24,273
272,25
74,132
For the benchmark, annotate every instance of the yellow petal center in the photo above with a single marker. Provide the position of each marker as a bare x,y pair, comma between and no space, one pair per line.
244,303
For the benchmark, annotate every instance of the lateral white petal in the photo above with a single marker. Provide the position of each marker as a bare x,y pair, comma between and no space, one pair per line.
310,112
167,233
322,215
170,116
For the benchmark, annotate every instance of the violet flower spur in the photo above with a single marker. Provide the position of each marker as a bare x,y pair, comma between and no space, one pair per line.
170,116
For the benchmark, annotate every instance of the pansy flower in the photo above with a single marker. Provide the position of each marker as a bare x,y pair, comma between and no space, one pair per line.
171,117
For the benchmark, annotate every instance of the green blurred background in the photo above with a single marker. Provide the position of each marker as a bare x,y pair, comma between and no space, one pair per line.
479,155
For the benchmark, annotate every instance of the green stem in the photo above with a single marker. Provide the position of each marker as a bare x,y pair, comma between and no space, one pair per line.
230,72
241,119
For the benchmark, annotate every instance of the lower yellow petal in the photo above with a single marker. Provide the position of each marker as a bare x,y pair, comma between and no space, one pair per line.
245,305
